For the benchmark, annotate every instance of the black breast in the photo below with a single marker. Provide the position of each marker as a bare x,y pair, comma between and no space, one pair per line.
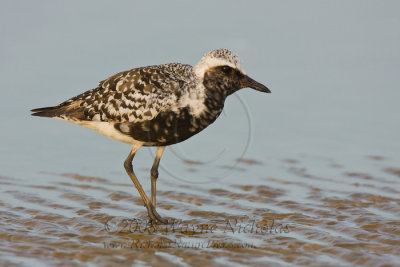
168,128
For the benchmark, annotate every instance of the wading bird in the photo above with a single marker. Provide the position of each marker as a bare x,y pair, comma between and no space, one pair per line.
158,106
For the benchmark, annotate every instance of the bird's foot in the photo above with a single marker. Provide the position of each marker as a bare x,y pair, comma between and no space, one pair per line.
154,216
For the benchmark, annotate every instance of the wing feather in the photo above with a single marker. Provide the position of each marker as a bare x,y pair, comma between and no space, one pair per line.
135,95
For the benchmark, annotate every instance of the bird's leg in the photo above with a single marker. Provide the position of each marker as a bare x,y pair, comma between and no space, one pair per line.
154,216
154,173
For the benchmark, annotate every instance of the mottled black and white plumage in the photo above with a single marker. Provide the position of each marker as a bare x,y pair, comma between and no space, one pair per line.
157,105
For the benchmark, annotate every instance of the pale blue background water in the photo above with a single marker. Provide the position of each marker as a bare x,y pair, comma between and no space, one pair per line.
333,68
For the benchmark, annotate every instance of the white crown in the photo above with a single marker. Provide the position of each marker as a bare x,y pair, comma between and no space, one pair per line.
218,57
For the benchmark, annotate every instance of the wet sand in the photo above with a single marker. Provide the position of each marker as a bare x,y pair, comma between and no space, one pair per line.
302,217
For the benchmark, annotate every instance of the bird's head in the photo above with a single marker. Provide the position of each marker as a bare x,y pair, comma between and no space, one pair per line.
220,69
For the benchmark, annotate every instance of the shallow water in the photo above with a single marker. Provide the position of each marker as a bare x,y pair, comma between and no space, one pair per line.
299,217
308,175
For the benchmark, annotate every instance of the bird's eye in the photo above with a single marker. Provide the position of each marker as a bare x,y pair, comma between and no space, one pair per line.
226,69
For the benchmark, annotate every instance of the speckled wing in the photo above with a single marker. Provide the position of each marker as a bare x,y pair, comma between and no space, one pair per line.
135,95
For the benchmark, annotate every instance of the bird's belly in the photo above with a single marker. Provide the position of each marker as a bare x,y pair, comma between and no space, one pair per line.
107,129
166,129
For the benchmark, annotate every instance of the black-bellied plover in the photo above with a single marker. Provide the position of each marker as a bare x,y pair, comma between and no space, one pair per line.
157,106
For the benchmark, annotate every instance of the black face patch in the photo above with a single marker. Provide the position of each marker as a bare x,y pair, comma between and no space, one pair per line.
223,80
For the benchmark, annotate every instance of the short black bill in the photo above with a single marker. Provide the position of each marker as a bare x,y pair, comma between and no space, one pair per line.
249,82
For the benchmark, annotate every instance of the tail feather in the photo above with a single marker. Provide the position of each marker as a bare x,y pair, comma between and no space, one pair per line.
47,111
70,110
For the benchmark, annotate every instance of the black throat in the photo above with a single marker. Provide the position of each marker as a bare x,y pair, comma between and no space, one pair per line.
217,89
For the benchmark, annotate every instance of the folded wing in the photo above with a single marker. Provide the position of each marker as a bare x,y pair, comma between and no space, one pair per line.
135,95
